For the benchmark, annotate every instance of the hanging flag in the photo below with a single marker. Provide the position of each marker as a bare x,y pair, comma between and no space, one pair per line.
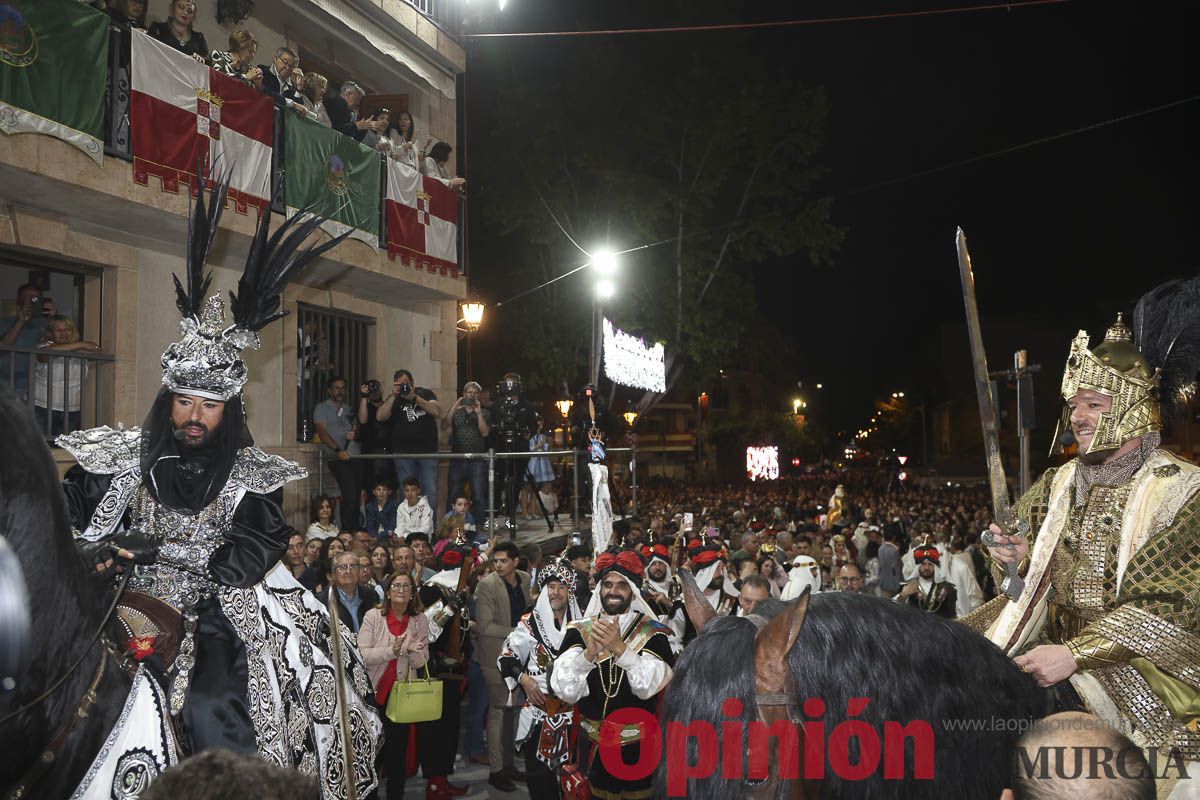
330,174
184,114
53,59
422,219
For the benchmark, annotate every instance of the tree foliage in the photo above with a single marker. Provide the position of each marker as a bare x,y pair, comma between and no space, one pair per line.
706,167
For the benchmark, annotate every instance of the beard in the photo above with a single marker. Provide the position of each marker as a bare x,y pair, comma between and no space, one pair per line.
616,604
195,435
657,573
717,582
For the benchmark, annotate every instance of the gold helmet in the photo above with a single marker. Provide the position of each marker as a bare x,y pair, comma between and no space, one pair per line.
1116,369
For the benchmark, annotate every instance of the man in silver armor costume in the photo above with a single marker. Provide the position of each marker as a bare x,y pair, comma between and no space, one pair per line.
196,507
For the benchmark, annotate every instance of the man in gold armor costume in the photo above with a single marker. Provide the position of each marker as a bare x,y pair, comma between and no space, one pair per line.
1111,602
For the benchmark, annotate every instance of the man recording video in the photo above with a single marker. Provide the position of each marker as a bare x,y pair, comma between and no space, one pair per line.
470,425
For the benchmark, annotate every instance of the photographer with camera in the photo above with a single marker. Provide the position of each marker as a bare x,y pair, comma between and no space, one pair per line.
414,412
469,424
373,435
24,330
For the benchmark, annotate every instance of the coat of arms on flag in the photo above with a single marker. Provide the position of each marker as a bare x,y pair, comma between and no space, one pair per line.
52,57
422,219
184,114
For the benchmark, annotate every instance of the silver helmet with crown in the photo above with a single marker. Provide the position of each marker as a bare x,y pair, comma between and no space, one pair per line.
206,361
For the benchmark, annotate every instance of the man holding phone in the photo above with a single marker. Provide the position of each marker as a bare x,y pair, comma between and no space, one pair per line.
24,330
413,411
469,424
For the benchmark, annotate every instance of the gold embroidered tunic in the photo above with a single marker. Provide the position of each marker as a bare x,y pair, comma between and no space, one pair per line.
1123,596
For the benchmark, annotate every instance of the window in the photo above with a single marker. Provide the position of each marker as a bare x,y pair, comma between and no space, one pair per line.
328,344
64,393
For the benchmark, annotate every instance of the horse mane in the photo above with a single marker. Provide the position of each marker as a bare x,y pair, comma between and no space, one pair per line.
65,604
911,665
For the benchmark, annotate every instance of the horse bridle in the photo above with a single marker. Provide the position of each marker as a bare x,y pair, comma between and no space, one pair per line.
82,709
789,700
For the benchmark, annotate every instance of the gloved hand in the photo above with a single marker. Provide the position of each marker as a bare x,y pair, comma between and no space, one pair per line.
98,556
137,547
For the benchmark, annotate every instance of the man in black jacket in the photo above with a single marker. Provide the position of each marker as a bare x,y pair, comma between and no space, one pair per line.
281,80
343,112
352,604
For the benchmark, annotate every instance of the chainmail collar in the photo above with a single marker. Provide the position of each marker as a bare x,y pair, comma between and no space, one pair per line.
1115,472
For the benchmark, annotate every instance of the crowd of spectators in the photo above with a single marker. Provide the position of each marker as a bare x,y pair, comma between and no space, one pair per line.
399,494
775,535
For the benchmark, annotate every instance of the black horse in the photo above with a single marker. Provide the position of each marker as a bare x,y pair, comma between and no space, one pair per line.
67,607
833,648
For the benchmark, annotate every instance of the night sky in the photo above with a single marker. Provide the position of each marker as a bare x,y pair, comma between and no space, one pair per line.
1063,234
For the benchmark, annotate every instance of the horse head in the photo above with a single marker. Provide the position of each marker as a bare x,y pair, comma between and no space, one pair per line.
774,687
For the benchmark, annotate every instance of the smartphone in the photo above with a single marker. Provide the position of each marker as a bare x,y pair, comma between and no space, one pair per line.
688,519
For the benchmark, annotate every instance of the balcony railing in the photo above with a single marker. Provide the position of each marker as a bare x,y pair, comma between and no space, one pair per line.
119,133
69,391
448,14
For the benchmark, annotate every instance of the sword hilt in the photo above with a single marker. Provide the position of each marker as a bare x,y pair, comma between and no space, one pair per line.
1012,584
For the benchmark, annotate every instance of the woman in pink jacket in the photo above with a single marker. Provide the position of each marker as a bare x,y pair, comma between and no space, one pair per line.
394,639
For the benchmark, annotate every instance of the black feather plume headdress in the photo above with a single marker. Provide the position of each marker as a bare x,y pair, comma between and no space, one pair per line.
1166,331
207,361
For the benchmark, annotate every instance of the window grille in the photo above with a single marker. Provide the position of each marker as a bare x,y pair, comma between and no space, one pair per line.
329,343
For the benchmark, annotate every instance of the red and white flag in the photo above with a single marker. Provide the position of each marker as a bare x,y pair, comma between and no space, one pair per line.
184,114
422,219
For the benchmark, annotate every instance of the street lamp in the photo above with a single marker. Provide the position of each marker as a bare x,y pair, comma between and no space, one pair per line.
630,417
820,386
472,312
797,403
605,266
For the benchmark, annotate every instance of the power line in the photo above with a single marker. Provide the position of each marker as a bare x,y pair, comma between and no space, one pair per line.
787,23
884,183
962,162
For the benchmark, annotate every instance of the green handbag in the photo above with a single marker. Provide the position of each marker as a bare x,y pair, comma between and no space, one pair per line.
414,701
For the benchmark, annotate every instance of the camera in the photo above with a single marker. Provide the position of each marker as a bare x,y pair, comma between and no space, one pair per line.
373,386
510,416
405,387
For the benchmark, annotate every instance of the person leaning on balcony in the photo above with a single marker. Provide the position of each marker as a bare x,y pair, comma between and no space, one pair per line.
435,165
177,31
404,137
281,80
128,13
238,62
343,112
312,96
58,382
376,138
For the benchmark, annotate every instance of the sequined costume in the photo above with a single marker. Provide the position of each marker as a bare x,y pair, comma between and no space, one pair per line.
201,506
259,643
1113,571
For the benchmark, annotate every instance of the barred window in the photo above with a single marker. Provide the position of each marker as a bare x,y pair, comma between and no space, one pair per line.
328,343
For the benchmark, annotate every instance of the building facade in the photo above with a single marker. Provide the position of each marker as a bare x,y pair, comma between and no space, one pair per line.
104,247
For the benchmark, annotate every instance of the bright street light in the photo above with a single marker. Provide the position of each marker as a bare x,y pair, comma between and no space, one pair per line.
820,386
604,262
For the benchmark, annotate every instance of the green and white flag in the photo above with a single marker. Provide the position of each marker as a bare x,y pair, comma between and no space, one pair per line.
330,174
53,60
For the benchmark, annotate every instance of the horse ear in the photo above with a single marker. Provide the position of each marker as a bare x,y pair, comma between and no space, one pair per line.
775,641
694,602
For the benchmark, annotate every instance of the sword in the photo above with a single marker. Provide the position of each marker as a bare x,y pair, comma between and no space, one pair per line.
340,695
1012,583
